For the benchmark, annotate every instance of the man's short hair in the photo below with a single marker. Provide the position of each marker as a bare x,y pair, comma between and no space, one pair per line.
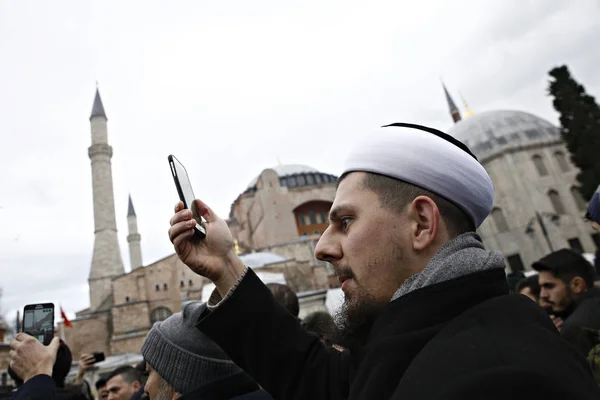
101,382
396,194
128,374
285,297
566,264
532,283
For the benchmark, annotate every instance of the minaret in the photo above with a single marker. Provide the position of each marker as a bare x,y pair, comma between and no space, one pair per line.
134,238
106,261
453,109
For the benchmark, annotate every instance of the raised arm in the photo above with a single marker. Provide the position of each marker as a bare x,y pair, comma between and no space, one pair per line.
258,334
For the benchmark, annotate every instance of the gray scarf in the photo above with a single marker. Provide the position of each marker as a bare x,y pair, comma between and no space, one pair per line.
461,256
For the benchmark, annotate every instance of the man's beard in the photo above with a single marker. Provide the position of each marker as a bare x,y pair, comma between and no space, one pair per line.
355,319
165,391
568,307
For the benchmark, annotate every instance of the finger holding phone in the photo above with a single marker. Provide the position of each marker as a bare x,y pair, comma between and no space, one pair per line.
86,363
29,357
209,253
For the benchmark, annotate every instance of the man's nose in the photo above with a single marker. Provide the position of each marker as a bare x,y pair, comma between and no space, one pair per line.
328,248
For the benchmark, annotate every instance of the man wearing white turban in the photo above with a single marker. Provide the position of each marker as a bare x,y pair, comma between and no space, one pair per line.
426,314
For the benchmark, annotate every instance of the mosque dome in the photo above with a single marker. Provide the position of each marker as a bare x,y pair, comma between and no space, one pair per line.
490,131
295,175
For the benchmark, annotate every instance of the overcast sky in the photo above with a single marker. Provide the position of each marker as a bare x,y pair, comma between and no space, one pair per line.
229,87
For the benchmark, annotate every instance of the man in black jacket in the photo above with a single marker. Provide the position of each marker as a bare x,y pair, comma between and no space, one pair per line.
426,312
567,285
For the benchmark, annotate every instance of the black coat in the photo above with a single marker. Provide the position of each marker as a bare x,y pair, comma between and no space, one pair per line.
461,339
41,387
585,319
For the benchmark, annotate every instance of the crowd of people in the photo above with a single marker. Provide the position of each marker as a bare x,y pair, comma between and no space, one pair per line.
427,310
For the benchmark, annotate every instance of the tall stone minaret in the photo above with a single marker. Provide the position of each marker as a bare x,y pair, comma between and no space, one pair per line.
134,238
106,261
454,113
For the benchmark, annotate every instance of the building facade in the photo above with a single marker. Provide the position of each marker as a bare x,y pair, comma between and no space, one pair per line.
276,223
537,207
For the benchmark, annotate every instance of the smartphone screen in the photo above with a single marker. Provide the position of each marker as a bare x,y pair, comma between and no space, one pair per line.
38,321
184,188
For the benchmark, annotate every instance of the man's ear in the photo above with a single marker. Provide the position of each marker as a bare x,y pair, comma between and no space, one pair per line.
425,219
578,285
136,385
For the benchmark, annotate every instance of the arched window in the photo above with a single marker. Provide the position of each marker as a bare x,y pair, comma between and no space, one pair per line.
165,286
562,161
126,299
581,203
160,314
539,165
190,283
181,284
557,203
157,287
499,220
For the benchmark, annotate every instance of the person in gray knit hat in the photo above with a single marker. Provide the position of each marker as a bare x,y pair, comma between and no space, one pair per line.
184,364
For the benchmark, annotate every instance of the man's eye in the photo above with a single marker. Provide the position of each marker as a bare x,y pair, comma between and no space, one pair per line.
345,221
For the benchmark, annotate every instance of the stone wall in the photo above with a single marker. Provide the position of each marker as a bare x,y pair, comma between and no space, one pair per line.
128,344
519,195
89,334
126,288
189,281
162,281
302,249
130,317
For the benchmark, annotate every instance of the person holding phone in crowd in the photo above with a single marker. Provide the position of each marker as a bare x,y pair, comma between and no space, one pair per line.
426,315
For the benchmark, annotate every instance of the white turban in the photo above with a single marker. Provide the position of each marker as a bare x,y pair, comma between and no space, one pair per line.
430,159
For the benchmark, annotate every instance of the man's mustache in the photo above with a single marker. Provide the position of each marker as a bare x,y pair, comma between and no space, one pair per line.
343,271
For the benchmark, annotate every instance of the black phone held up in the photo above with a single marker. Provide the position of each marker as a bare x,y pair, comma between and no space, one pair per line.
38,321
184,189
98,357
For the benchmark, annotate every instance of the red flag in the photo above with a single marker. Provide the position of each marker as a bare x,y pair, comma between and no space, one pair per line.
65,319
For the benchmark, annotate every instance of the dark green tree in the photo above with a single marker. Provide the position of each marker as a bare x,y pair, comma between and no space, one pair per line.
580,127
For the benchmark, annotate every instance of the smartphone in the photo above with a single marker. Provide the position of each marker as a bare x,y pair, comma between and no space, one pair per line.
184,189
38,321
98,356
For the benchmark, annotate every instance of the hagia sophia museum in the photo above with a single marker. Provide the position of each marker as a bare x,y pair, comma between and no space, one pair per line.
277,220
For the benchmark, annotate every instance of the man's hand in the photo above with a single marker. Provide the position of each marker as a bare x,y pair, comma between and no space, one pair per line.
86,362
28,357
212,257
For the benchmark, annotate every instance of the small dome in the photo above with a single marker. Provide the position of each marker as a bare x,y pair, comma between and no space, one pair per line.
296,175
489,131
260,259
284,170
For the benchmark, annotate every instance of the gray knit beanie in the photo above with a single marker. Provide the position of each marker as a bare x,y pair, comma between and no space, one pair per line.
182,355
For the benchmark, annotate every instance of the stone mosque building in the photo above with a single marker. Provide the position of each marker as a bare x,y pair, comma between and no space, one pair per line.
276,222
537,207
279,217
